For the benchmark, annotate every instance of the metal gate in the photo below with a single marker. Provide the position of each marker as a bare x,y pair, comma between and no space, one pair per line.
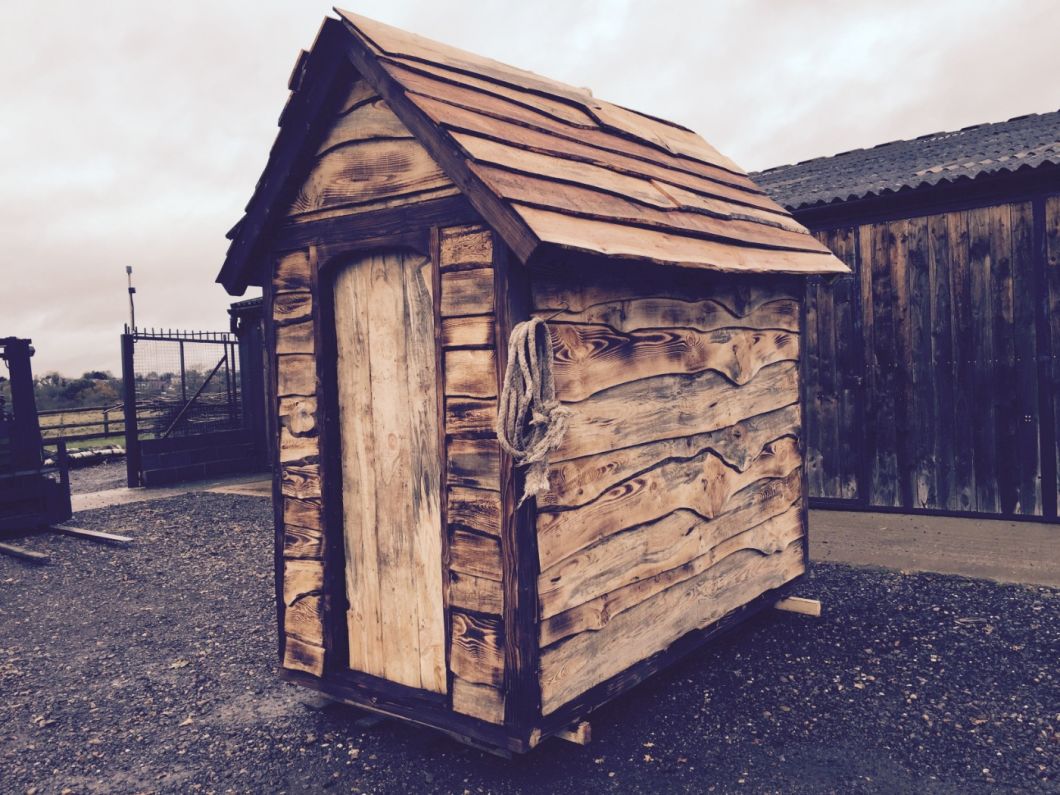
184,416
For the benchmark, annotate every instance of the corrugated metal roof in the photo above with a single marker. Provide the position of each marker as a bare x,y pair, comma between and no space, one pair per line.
1022,142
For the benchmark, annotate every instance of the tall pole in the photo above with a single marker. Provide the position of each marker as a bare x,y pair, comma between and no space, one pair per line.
132,292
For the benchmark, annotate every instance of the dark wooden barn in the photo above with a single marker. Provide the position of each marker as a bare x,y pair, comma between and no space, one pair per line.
420,203
932,373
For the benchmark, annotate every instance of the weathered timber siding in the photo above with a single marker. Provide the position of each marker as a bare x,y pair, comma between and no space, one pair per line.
294,313
676,495
367,161
476,603
931,371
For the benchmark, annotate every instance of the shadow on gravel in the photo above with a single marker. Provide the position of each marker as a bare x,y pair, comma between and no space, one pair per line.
151,669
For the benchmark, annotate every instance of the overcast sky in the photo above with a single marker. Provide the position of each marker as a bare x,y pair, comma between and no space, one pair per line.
133,133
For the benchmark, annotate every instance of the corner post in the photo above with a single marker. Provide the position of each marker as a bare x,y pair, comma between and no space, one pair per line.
132,432
522,692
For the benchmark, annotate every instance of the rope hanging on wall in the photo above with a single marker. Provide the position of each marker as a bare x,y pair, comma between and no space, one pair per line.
531,423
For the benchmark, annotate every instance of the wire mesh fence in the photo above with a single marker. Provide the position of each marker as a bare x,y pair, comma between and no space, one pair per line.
186,382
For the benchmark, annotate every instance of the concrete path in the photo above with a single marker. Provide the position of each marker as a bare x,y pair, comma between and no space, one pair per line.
255,485
991,549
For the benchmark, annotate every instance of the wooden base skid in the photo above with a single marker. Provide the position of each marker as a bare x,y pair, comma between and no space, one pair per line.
432,711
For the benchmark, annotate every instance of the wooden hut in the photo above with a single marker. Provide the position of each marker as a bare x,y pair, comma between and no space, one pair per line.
418,203
933,370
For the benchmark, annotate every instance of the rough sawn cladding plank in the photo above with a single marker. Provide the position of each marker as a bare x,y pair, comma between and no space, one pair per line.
367,160
299,456
391,468
475,596
677,495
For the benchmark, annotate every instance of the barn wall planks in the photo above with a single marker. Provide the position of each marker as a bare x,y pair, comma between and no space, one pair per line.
476,602
952,405
656,525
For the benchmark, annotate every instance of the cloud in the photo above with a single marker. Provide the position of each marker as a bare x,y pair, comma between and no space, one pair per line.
134,135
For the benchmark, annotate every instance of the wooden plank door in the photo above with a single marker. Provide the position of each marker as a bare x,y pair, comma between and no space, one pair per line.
391,468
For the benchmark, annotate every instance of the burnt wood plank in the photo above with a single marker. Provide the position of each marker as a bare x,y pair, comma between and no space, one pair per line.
748,509
573,666
477,648
474,462
467,292
671,406
581,480
468,332
589,359
476,509
470,416
471,373
475,554
703,485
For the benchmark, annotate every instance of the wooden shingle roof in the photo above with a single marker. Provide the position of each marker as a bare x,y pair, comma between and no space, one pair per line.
550,167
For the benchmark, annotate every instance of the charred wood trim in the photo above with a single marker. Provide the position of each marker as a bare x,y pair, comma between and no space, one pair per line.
519,560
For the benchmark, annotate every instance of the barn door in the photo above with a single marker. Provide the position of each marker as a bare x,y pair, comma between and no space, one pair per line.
391,468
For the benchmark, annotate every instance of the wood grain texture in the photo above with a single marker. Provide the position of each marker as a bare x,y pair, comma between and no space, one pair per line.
467,292
477,509
702,485
299,655
465,247
589,359
660,553
371,119
298,449
474,463
470,416
296,375
295,338
611,288
474,554
479,701
292,273
670,406
367,158
391,475
581,480
469,332
752,506
477,654
637,314
298,414
574,665
291,308
477,594
302,542
471,373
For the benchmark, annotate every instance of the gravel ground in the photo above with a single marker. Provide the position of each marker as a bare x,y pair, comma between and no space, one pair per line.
151,669
98,477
